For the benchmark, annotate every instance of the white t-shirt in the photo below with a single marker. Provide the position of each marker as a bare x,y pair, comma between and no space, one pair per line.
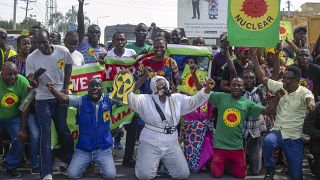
78,59
54,65
127,53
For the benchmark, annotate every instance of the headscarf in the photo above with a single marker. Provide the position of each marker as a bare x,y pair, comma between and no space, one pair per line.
153,83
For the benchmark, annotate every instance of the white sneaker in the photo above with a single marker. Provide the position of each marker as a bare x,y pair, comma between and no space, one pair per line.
47,177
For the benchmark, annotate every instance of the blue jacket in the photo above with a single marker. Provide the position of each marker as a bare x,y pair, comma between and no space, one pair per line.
94,133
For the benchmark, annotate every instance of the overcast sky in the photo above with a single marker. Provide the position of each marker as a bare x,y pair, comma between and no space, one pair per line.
163,12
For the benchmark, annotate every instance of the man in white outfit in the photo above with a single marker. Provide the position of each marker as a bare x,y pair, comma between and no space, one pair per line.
161,112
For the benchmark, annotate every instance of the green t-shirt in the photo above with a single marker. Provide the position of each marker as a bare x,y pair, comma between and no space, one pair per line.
11,97
231,116
138,49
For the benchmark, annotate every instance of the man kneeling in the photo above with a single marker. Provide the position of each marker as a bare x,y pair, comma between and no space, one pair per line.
95,140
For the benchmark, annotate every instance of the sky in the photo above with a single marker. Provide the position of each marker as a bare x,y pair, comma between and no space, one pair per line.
112,12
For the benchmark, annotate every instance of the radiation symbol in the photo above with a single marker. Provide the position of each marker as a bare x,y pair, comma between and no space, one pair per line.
231,117
254,15
285,30
204,108
106,116
9,100
123,84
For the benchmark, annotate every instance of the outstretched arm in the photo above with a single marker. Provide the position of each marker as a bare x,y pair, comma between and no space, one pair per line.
63,98
80,17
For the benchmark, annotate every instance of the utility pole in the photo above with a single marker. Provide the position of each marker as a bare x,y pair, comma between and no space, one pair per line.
15,15
51,8
289,13
27,7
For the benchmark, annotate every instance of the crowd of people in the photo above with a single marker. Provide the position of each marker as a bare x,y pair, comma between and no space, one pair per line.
257,108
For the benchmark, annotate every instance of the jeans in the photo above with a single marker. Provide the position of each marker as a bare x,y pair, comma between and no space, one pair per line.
81,160
292,149
172,156
46,110
34,139
15,154
253,154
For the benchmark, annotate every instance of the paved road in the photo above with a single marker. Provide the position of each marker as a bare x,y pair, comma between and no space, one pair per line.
128,173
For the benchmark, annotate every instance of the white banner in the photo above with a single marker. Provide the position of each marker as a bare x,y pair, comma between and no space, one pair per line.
203,18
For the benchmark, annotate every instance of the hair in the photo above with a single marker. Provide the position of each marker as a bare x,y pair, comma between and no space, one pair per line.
197,39
191,57
296,71
140,24
72,33
300,29
59,35
158,39
19,39
249,71
117,33
41,31
164,34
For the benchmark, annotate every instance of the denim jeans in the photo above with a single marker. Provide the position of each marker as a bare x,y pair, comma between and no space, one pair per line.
34,139
15,154
253,154
46,110
292,149
172,156
81,159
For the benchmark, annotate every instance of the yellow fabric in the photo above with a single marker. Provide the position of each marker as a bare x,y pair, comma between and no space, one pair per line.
11,54
291,111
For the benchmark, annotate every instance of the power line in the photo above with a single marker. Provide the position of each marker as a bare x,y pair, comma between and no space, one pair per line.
27,6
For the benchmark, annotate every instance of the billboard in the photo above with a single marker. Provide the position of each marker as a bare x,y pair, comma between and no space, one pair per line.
203,18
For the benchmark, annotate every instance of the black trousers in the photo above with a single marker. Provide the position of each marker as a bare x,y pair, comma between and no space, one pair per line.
195,7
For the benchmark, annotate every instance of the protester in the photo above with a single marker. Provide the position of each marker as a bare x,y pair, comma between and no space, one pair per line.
94,119
299,41
141,32
24,48
55,38
199,42
58,64
159,138
13,90
233,111
309,73
197,131
311,127
176,36
6,51
287,130
119,41
89,46
71,41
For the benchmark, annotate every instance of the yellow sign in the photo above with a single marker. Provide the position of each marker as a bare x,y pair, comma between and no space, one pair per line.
9,100
187,85
285,30
231,117
123,84
254,15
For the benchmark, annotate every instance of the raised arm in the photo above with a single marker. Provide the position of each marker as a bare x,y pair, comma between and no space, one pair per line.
293,46
80,17
230,64
195,79
63,98
276,65
258,70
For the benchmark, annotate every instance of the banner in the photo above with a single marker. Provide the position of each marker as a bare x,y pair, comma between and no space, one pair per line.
285,30
203,18
253,23
188,86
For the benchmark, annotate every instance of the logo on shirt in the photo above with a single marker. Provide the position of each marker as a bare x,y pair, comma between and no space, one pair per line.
106,116
204,108
91,52
231,117
9,100
60,63
307,83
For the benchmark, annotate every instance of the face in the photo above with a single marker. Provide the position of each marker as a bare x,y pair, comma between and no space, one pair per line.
94,34
299,36
9,75
42,42
141,32
224,44
244,56
71,42
237,87
119,41
199,42
95,89
249,80
54,38
159,48
25,46
176,37
190,61
270,58
160,83
303,58
3,39
289,80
